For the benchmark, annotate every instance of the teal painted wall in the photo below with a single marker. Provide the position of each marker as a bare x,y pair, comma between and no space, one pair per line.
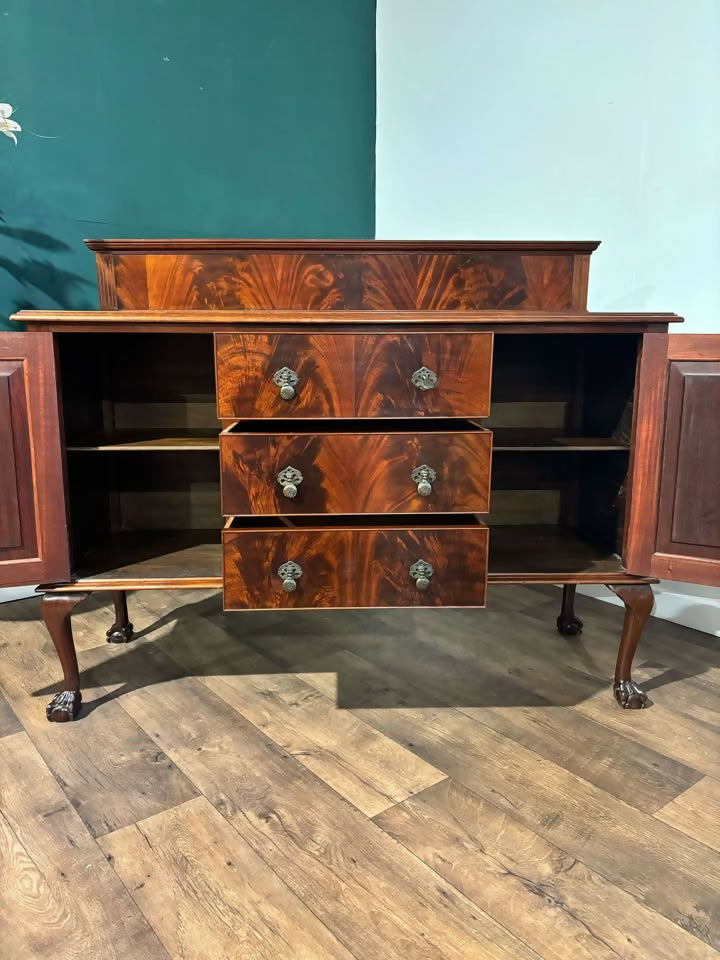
246,118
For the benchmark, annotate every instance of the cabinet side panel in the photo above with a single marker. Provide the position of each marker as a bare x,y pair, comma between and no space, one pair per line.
107,290
645,453
131,283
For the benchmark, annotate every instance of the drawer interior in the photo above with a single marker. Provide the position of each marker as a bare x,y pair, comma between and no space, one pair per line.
360,425
362,521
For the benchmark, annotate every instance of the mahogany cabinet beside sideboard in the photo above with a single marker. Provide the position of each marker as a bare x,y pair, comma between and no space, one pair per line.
316,424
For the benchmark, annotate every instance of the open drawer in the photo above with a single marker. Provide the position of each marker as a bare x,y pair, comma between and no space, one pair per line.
296,471
377,562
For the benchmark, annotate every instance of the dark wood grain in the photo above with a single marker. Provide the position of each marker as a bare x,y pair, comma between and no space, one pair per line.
355,473
56,611
348,567
689,510
33,524
346,375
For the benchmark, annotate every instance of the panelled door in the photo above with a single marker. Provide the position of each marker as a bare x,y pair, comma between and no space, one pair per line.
33,521
673,526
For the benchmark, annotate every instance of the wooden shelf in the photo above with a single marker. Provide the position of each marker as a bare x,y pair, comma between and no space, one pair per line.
504,440
152,558
512,439
546,553
149,440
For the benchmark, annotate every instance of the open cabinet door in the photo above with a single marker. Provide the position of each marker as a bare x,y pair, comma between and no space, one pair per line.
673,520
33,519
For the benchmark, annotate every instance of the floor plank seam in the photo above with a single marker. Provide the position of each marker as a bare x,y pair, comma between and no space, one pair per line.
589,866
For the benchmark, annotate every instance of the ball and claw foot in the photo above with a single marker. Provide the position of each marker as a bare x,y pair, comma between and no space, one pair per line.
629,695
118,634
64,706
569,626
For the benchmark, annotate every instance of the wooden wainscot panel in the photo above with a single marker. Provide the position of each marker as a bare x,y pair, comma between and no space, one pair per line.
349,473
346,567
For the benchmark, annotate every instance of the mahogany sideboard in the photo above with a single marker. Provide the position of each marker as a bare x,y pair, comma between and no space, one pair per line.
309,424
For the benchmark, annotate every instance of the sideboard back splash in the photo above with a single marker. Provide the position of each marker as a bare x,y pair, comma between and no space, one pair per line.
537,277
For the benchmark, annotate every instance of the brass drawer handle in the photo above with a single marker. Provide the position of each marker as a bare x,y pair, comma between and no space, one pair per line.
287,380
290,573
424,477
424,379
290,479
421,572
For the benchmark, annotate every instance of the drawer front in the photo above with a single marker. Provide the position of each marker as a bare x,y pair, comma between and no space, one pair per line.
353,375
355,473
295,568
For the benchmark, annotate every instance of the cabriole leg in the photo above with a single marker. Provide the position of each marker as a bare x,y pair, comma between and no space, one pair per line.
638,600
56,609
567,623
122,630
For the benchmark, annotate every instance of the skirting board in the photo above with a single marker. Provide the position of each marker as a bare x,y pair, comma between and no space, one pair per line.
16,593
696,607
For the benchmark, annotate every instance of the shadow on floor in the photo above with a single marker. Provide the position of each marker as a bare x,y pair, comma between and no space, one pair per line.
383,659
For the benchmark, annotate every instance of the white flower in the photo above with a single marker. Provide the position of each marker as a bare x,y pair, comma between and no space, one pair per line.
7,126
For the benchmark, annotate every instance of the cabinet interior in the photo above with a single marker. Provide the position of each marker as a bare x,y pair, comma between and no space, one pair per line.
560,421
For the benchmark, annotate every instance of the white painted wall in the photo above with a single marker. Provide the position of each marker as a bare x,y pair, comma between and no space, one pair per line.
561,120
554,119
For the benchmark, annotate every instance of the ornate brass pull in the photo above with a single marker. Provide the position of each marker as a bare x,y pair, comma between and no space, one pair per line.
421,572
290,479
424,477
289,573
287,380
424,379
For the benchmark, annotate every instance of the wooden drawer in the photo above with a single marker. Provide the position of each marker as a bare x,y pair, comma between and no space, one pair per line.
394,471
359,566
353,375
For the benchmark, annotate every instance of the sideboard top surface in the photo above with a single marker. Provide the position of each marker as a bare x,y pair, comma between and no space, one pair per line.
308,321
339,246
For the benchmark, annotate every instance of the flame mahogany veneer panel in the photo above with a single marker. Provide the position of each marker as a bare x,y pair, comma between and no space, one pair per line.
245,280
355,567
355,473
353,375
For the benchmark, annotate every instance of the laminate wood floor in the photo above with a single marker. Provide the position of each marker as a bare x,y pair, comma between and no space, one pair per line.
383,785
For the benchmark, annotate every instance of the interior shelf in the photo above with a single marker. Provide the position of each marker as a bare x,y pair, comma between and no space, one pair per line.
528,440
139,440
536,552
147,557
504,440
